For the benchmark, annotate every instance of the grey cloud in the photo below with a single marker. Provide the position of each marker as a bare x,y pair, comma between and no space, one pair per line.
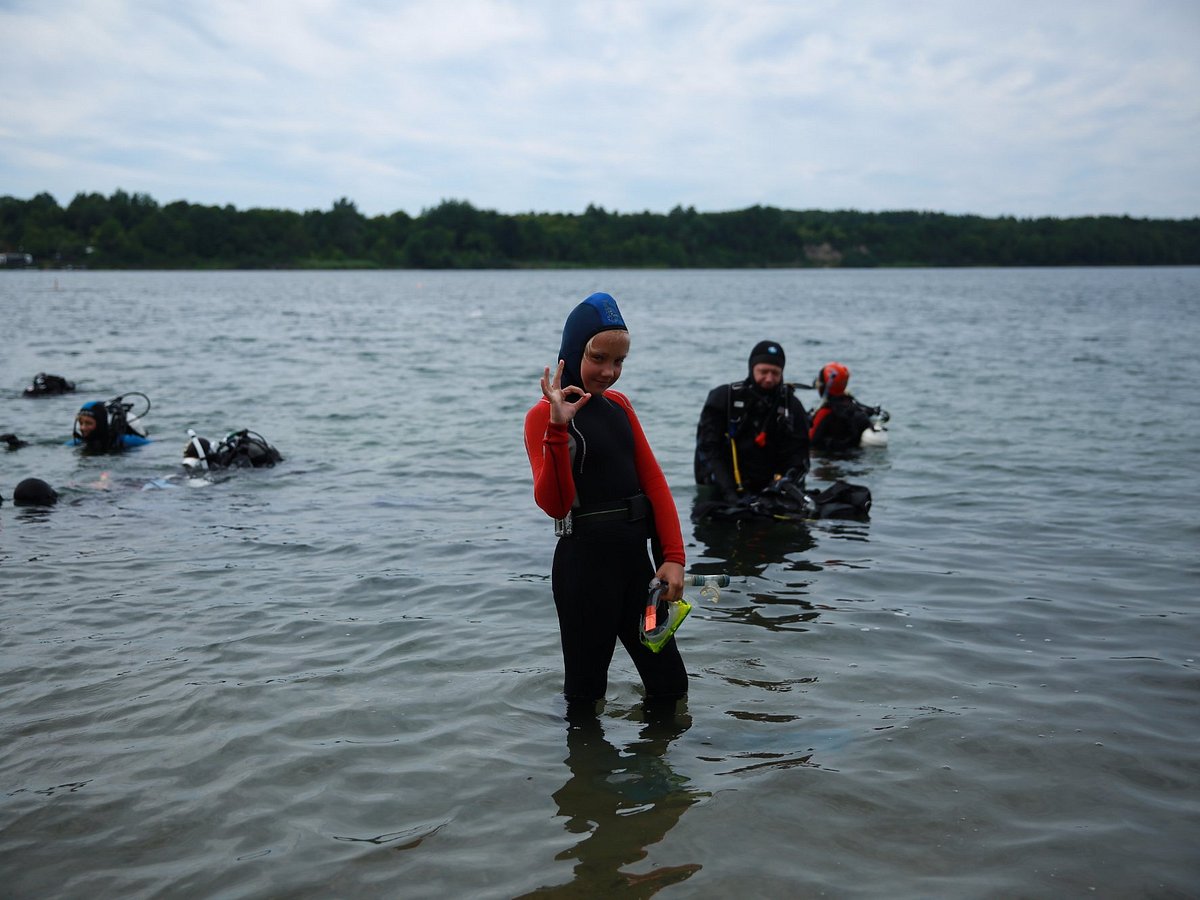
1018,107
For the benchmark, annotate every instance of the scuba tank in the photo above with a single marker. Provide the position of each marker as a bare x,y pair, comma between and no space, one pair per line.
876,435
246,449
134,425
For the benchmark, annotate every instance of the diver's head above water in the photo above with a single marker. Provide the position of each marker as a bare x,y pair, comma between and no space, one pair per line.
766,365
91,425
832,380
595,342
34,492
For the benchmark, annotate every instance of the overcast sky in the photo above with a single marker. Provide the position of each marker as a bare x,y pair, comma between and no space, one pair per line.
994,107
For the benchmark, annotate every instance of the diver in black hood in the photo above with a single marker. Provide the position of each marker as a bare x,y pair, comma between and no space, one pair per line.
753,431
34,492
110,427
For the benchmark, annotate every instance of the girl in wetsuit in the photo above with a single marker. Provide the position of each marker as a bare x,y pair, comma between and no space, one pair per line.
594,472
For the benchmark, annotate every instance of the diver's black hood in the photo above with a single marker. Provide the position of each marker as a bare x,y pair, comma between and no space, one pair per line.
764,352
597,313
769,352
34,492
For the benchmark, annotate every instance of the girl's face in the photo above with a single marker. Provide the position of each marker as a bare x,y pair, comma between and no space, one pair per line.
602,360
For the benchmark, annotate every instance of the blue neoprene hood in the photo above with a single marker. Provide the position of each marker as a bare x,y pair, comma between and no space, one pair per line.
597,313
97,410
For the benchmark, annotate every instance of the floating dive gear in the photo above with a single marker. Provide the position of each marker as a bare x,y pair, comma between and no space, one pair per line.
662,617
719,581
710,585
48,385
243,449
786,501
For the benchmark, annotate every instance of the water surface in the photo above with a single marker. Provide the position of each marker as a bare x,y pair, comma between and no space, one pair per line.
340,677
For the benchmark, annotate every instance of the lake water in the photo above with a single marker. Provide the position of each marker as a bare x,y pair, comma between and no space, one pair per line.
340,677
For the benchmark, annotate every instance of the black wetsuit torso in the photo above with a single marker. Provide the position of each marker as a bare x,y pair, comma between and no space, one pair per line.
602,572
770,432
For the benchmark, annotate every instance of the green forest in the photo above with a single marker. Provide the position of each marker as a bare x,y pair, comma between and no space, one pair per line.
133,231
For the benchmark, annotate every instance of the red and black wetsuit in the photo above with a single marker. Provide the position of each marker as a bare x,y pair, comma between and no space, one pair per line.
599,468
602,570
838,424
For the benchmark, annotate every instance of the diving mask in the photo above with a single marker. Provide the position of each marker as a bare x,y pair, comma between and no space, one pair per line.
661,617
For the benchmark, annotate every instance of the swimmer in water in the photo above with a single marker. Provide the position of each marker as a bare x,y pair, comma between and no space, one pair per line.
108,427
34,492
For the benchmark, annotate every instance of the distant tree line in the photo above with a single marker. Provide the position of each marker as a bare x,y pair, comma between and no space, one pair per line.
133,231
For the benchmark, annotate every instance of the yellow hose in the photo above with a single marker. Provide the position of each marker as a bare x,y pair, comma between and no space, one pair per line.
737,474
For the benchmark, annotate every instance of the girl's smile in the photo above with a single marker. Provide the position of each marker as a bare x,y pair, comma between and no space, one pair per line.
602,360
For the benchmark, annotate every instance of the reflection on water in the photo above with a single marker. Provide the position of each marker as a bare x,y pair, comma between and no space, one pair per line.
854,464
745,548
622,802
757,616
749,548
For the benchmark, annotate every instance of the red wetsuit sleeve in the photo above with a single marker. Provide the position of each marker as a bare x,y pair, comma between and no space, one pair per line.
654,485
548,446
818,418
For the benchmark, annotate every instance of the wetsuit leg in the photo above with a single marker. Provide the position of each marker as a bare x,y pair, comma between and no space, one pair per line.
662,673
587,580
599,592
